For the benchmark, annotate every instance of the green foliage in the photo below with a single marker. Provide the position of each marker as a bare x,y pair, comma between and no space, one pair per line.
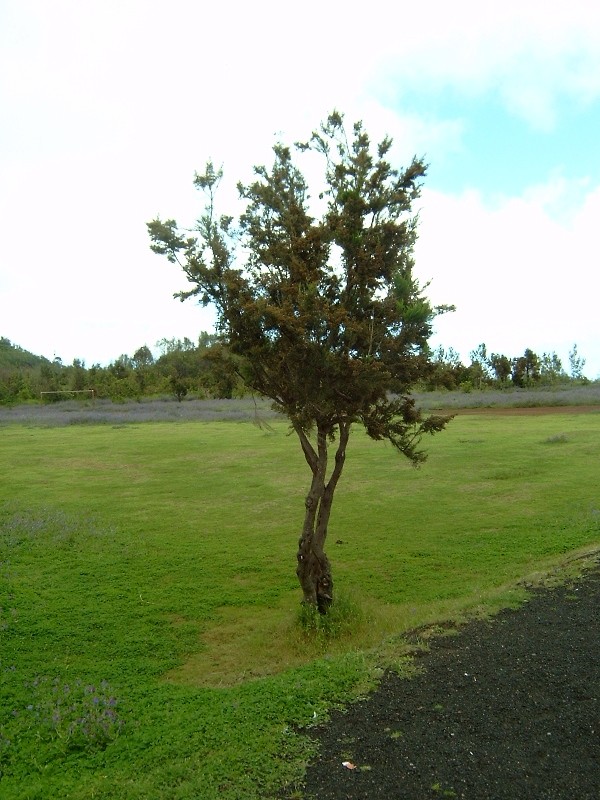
142,358
551,370
183,368
526,371
502,367
576,363
324,313
447,371
14,357
207,369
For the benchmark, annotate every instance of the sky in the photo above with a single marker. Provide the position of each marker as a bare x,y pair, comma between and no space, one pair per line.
108,107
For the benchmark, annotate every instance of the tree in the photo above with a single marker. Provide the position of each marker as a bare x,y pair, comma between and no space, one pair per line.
176,345
78,375
551,369
52,378
142,360
447,369
323,314
502,367
526,369
576,364
479,369
178,386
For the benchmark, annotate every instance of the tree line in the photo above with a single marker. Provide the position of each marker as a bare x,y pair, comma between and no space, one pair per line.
182,367
199,369
501,371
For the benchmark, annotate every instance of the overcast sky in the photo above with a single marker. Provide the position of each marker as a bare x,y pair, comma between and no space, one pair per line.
107,107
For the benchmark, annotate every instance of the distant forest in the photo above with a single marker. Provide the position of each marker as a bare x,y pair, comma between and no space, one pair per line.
206,369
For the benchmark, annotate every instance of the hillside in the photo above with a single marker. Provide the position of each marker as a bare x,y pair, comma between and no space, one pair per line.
12,356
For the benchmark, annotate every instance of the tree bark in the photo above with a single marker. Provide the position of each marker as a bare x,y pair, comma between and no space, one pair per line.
314,569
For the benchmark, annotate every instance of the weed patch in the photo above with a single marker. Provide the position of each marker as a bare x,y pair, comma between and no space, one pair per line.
558,438
75,716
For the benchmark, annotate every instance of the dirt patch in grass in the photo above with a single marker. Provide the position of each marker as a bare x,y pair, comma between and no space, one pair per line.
507,708
529,411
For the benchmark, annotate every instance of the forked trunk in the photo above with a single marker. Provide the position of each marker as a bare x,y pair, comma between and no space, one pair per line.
314,569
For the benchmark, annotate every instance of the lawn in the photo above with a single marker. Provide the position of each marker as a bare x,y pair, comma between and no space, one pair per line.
150,644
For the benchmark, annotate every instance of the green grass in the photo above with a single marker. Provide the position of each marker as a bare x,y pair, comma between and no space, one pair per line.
151,642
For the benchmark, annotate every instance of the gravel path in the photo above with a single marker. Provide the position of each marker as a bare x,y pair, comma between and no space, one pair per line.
508,709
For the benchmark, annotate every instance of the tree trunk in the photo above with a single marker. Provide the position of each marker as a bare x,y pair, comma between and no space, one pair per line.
314,569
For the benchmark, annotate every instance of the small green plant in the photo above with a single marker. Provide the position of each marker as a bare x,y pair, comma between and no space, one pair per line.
439,790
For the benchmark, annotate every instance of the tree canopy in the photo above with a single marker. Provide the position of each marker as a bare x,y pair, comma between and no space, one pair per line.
321,311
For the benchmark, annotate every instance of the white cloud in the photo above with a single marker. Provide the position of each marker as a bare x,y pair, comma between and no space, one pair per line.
520,275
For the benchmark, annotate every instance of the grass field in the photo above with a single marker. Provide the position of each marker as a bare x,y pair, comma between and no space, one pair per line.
149,637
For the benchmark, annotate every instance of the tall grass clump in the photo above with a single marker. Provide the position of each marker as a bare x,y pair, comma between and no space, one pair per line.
344,619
